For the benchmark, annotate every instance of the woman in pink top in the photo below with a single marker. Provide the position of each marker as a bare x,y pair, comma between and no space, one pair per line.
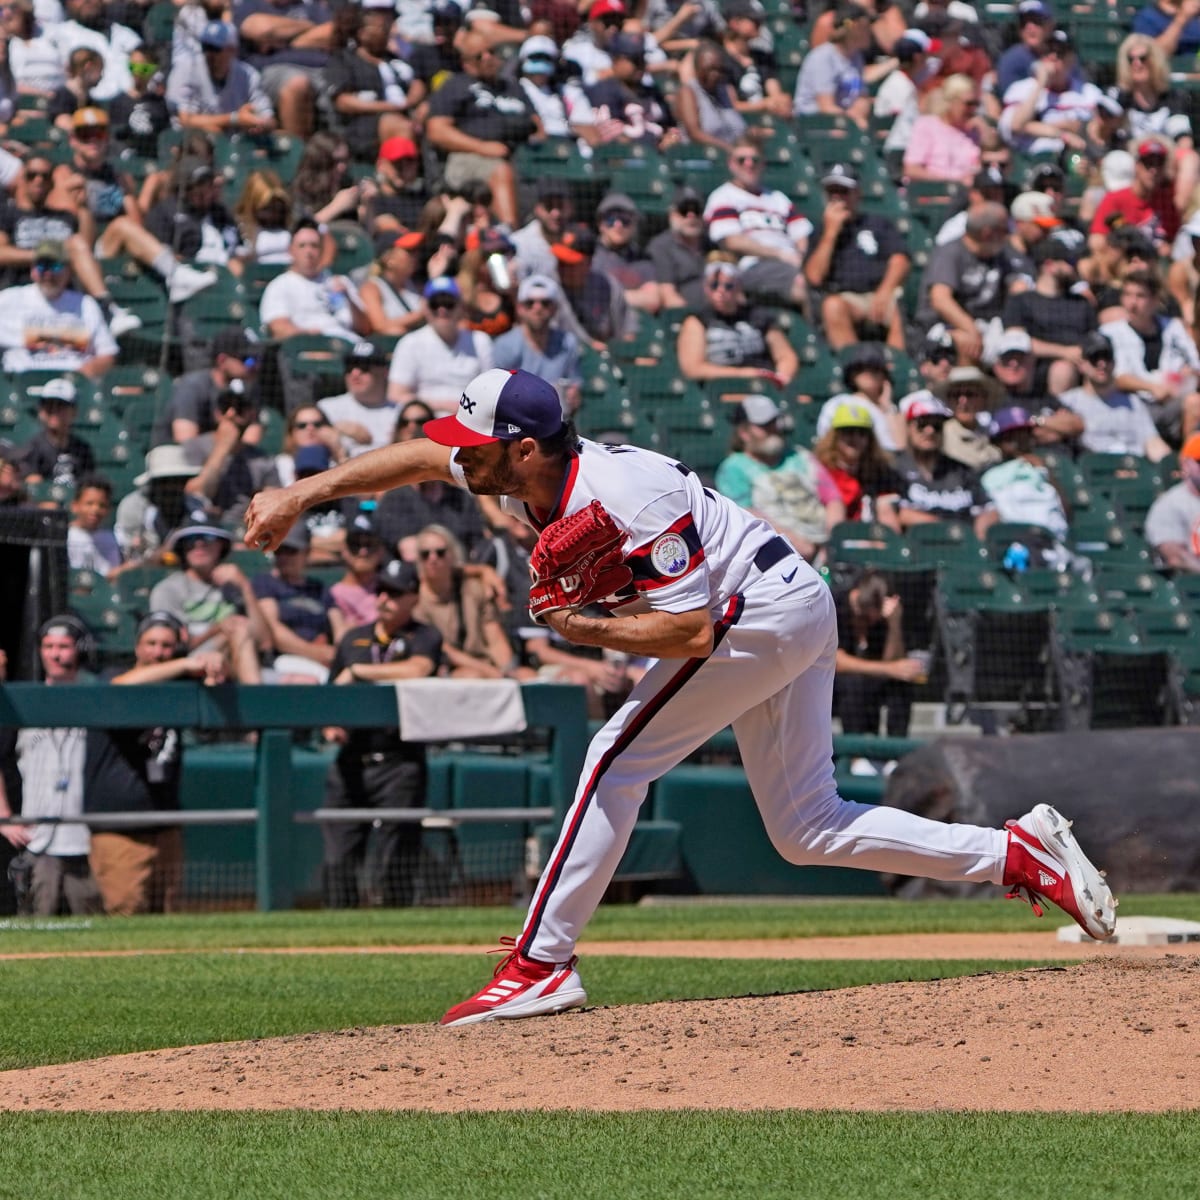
354,595
946,143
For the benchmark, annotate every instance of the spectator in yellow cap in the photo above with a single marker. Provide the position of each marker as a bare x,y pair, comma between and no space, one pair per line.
865,478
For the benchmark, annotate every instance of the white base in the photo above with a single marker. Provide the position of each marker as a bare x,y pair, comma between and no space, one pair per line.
1140,931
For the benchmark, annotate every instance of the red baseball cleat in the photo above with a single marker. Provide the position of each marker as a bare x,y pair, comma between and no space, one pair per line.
1045,860
521,987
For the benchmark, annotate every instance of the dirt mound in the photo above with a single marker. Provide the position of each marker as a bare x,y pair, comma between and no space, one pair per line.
1106,1035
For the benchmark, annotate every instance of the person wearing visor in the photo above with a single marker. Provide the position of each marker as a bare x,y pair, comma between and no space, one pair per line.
739,629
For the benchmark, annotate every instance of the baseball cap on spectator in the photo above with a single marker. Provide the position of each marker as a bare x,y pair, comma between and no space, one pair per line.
446,13
755,410
606,8
687,195
989,177
442,285
852,415
913,42
1060,42
62,390
1014,341
539,49
1096,345
394,149
841,175
191,170
750,9
232,342
90,118
1149,148
218,35
577,243
1007,419
550,188
298,536
49,250
923,404
500,406
627,45
1054,249
939,345
365,354
312,460
865,356
1116,170
1036,207
166,462
199,530
1043,175
616,202
389,239
537,287
1132,242
1033,10
400,578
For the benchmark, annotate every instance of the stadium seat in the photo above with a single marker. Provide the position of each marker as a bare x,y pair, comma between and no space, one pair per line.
1102,538
854,546
938,544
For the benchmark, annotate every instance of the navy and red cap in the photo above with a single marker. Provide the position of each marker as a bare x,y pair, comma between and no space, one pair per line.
500,406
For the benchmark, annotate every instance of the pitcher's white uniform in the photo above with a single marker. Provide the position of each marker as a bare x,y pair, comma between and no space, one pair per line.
770,674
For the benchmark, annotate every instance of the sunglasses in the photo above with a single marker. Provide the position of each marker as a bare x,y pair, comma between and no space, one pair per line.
538,303
362,548
613,22
442,306
476,58
199,539
143,70
689,210
747,160
38,174
91,135
310,424
1015,359
966,394
414,422
435,552
930,423
721,285
617,218
48,266
1097,360
1139,58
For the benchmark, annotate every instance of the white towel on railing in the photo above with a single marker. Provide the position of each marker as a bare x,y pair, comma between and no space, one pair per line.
439,710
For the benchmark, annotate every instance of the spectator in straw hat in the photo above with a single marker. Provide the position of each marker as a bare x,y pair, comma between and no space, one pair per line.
147,516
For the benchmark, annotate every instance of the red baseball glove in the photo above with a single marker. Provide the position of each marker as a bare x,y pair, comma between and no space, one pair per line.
577,561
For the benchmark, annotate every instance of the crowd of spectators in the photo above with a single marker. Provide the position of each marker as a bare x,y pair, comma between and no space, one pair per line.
914,260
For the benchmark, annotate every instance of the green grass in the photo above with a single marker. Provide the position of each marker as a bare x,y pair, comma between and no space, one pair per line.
60,1009
57,1012
481,926
563,1156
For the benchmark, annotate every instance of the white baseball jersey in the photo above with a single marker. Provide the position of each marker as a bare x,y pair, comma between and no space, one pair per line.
768,216
770,675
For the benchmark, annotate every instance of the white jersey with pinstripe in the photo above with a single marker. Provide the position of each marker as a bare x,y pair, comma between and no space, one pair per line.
770,675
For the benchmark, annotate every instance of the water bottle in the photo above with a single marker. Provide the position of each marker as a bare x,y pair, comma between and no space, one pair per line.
1016,558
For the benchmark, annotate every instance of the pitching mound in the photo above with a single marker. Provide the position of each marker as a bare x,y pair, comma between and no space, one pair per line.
1104,1035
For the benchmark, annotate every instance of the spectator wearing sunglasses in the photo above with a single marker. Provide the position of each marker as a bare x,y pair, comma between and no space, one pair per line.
1024,378
436,362
362,416
49,325
537,345
762,227
308,431
140,113
619,255
191,408
678,252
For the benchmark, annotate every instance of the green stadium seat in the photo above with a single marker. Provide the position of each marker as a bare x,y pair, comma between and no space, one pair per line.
854,546
158,25
937,544
354,248
1103,538
1134,589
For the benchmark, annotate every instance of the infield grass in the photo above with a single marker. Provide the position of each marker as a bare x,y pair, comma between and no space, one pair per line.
566,1156
62,1008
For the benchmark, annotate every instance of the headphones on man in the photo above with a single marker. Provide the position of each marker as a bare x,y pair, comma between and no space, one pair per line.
160,617
85,643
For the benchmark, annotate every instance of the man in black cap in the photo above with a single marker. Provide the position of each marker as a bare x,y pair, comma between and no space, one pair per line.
678,252
624,107
619,255
858,261
190,409
1056,317
191,218
363,415
374,767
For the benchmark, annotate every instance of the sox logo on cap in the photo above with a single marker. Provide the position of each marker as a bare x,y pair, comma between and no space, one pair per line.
500,406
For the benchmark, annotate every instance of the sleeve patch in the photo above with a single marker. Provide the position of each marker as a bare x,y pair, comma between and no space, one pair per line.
671,555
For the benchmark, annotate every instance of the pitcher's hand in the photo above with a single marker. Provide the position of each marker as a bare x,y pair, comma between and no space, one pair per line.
270,515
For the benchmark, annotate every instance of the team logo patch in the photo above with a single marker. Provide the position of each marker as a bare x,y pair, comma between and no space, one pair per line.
669,554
